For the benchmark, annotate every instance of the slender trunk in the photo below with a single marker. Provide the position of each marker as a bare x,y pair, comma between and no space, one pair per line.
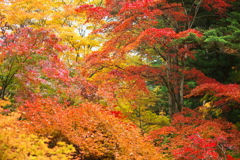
177,102
177,91
77,57
140,118
182,85
169,86
170,108
175,84
174,81
2,93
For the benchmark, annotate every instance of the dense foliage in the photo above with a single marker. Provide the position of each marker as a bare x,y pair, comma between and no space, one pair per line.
129,79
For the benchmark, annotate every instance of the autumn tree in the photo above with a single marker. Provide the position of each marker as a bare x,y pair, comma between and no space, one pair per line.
23,49
58,16
157,31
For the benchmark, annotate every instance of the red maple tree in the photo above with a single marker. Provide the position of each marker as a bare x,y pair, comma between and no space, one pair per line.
139,27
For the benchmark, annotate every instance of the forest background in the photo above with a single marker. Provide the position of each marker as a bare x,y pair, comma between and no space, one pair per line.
120,79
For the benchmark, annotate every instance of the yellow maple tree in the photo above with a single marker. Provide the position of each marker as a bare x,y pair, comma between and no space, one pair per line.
58,16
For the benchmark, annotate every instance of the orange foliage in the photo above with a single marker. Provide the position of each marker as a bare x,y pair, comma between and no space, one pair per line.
95,131
16,142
